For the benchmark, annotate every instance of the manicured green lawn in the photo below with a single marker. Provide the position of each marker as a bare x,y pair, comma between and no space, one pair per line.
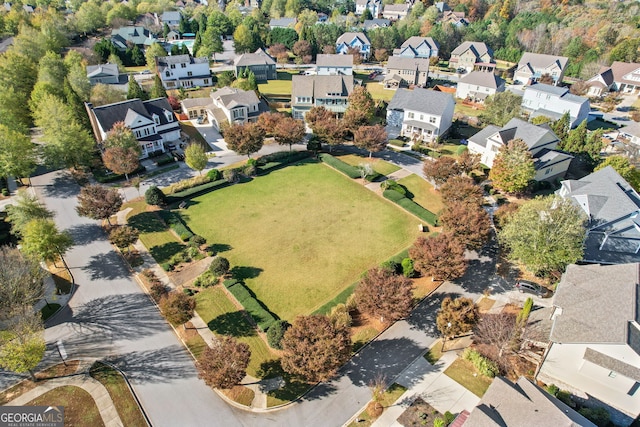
79,407
280,87
423,193
157,238
466,110
123,400
462,371
300,235
380,166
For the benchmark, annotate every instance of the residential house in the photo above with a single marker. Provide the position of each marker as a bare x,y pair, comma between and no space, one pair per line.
372,24
472,56
533,66
330,92
104,73
334,64
552,101
457,19
357,41
140,36
171,18
549,163
620,76
478,85
183,71
631,131
420,114
612,207
152,122
411,71
259,62
522,404
172,35
226,105
418,47
396,11
595,339
374,6
282,23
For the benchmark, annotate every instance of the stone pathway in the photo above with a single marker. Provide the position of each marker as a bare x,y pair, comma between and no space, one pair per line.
399,174
83,380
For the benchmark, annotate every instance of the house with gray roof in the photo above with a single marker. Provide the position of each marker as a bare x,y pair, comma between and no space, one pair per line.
411,72
355,41
171,18
282,23
595,338
372,24
613,210
550,164
631,131
330,92
420,114
374,6
152,122
552,101
334,64
106,74
397,11
137,35
260,63
183,71
418,47
522,404
533,66
478,85
472,56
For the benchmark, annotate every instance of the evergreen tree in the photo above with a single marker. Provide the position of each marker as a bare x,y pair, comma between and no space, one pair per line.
134,90
158,91
561,127
197,43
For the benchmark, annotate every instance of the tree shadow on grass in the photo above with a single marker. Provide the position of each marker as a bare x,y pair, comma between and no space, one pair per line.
243,272
234,324
147,222
164,252
220,247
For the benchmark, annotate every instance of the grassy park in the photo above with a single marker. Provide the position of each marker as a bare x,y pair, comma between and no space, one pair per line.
423,193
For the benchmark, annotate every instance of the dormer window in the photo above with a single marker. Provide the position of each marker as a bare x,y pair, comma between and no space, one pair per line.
156,119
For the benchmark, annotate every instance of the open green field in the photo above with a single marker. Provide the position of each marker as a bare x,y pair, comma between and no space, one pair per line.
423,193
375,88
280,87
300,235
378,165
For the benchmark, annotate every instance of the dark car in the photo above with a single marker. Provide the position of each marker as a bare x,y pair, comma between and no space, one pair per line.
530,287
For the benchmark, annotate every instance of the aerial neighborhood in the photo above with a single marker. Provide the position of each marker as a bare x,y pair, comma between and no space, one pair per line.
320,213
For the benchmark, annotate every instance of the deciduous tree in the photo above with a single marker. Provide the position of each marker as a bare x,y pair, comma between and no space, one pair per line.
224,364
497,330
41,238
289,131
195,157
98,202
102,94
21,280
626,170
513,167
268,121
361,108
121,161
468,223
22,342
468,162
302,48
441,257
501,107
17,153
178,308
383,294
219,266
456,316
26,207
151,53
370,138
123,237
441,169
461,189
314,348
245,138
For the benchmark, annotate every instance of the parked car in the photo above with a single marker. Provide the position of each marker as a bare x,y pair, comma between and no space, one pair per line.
531,288
171,146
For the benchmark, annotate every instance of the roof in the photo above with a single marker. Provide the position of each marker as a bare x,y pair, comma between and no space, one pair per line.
478,48
135,34
590,313
334,60
606,74
632,128
532,135
402,7
195,102
369,24
522,404
163,61
170,16
481,137
416,41
421,100
483,78
108,68
259,57
233,97
562,92
540,60
407,63
620,69
347,38
282,22
132,109
546,158
321,86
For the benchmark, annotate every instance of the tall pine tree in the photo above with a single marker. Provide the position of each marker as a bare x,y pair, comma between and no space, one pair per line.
134,90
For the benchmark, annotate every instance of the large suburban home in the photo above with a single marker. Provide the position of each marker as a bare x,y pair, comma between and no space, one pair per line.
420,114
260,63
520,404
140,36
397,11
282,23
171,18
418,47
620,76
457,19
334,64
404,71
533,66
105,73
330,92
372,24
594,349
152,122
631,131
612,207
374,6
357,41
472,56
552,101
549,163
183,71
478,85
226,105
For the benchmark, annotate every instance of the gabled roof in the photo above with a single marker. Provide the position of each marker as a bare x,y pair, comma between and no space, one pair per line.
163,61
482,78
532,135
334,60
606,74
369,24
478,48
233,97
282,22
506,404
170,16
259,57
622,69
421,100
321,86
416,41
562,92
407,63
347,38
106,69
540,60
133,111
403,7
135,34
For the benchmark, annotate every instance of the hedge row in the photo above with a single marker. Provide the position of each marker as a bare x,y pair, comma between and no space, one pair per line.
350,171
411,206
260,315
486,367
174,221
196,191
267,163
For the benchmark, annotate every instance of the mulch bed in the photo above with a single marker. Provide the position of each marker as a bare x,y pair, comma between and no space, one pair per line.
419,414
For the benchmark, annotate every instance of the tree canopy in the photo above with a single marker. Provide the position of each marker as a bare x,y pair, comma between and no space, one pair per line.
441,256
245,139
469,223
195,157
501,107
456,316
224,364
513,167
383,294
370,138
41,238
98,202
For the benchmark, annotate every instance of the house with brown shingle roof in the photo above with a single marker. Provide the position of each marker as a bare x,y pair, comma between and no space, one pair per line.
533,66
620,76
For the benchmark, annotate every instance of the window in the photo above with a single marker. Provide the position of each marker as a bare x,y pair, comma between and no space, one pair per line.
156,119
205,81
612,374
183,65
173,66
432,119
410,115
547,171
421,116
189,73
168,74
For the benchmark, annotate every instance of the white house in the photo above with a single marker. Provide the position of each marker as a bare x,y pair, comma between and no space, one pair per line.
420,114
595,338
103,73
356,41
418,47
334,64
549,163
552,101
532,66
152,122
396,12
183,71
374,6
631,131
478,85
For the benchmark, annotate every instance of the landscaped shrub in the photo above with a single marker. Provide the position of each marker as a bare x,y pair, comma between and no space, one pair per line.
422,213
219,266
393,185
249,169
439,422
350,171
185,184
165,159
205,280
158,291
214,175
166,266
282,157
154,196
448,418
485,366
598,416
552,389
231,175
197,240
173,220
276,332
5,192
393,195
407,267
260,315
340,316
392,266
461,149
198,190
103,176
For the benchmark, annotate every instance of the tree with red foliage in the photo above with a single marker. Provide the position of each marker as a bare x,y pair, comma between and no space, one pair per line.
384,294
98,202
121,160
289,131
247,138
268,121
224,364
441,169
441,256
370,138
469,223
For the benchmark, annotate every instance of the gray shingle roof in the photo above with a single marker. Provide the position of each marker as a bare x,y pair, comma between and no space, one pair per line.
553,90
406,63
416,41
259,57
108,68
375,23
282,22
170,16
108,115
334,60
396,8
233,97
482,78
531,134
480,138
522,404
421,100
348,37
478,48
163,61
540,60
320,86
